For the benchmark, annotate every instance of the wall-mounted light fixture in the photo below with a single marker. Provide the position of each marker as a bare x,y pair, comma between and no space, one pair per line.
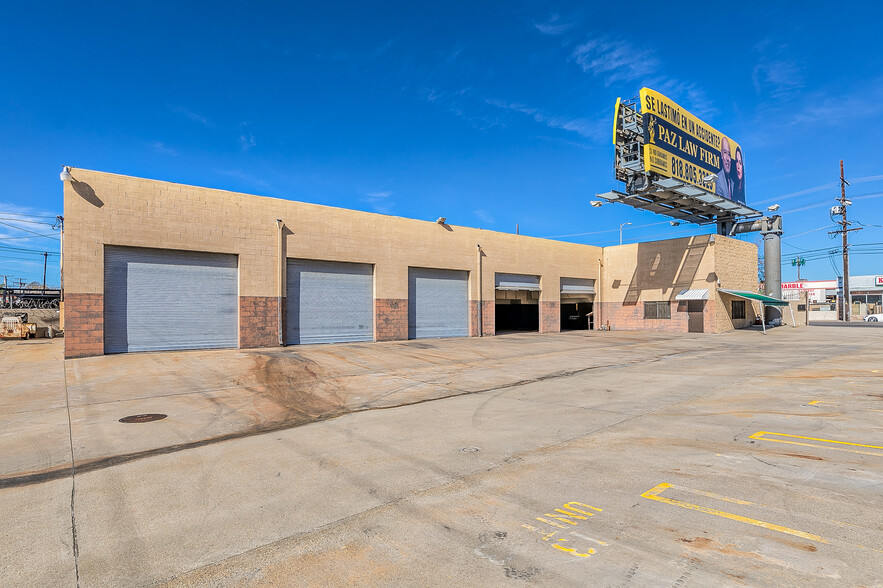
441,220
65,174
773,208
674,223
596,203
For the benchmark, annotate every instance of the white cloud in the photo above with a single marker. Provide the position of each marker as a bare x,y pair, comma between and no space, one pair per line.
189,114
379,201
614,60
554,26
590,128
9,210
512,106
461,103
161,147
242,176
776,72
360,56
452,55
779,77
687,94
247,141
483,216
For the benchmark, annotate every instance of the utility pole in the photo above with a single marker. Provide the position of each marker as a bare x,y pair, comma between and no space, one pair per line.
799,261
60,223
3,299
844,231
45,257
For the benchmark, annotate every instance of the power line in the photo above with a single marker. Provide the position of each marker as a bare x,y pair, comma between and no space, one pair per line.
19,258
3,246
27,215
820,188
807,232
27,237
21,220
604,231
29,231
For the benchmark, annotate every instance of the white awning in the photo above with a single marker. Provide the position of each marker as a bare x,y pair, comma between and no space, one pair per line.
692,295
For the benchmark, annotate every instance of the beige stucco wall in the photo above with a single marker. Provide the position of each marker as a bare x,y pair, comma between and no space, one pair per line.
102,208
736,268
659,270
656,271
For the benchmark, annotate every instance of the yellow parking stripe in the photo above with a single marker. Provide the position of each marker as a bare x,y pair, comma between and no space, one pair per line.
763,436
653,494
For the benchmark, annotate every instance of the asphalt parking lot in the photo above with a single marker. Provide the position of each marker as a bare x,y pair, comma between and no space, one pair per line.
582,458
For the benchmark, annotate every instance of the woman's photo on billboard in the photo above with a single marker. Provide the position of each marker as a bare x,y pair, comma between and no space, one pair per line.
739,176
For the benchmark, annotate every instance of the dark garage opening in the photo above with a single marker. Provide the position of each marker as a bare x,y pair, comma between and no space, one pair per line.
517,305
517,316
576,316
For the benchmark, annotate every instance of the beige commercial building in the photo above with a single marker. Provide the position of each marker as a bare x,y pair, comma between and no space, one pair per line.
151,265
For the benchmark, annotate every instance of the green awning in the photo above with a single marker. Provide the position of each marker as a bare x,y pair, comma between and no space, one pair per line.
768,300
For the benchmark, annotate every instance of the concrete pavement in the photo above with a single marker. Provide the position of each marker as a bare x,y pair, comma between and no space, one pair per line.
578,458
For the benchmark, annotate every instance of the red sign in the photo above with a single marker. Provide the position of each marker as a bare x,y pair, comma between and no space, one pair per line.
811,285
879,281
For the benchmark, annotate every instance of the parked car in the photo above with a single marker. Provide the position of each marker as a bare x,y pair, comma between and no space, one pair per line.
874,318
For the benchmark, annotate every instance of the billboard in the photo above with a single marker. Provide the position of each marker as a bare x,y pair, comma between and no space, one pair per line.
681,146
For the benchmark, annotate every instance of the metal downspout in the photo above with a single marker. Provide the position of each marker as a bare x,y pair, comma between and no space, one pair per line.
478,271
280,278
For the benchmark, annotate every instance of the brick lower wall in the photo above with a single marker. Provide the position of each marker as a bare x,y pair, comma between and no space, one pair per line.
84,325
630,317
390,319
258,321
473,318
487,318
550,317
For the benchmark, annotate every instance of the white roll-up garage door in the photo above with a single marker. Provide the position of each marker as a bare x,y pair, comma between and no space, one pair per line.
158,299
437,303
517,282
578,287
329,302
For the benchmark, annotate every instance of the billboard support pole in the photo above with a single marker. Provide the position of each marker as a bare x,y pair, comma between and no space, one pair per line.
770,229
772,259
725,227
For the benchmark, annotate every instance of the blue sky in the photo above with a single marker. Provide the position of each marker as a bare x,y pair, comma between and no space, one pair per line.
491,114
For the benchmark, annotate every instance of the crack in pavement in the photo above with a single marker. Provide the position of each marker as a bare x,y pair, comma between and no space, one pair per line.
70,430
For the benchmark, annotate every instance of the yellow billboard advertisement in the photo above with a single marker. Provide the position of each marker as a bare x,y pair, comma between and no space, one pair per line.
681,146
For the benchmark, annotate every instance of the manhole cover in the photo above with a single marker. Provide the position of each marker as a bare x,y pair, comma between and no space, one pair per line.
143,418
470,449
